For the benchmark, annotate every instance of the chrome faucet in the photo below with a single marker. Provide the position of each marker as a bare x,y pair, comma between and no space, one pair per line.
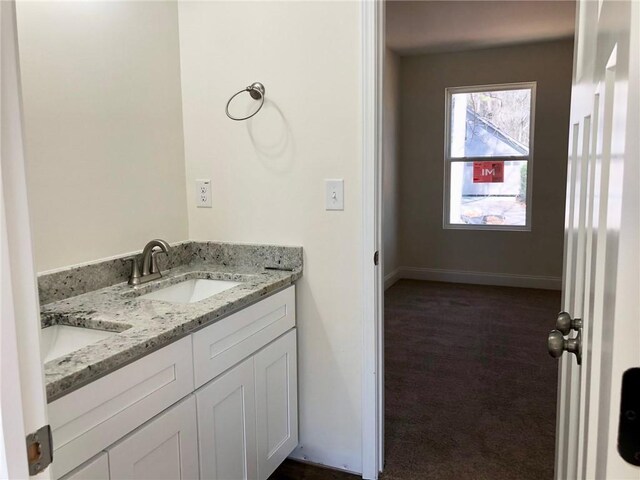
150,270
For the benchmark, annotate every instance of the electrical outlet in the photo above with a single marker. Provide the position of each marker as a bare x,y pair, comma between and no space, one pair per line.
203,193
334,194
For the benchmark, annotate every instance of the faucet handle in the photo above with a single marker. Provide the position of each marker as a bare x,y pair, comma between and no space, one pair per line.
134,277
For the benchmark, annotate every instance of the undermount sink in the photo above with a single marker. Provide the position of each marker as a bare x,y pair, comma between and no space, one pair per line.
59,340
190,291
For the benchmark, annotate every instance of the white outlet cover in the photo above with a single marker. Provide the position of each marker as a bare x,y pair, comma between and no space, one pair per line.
334,194
203,193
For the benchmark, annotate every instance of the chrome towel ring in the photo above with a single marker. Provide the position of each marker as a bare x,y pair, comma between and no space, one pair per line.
256,90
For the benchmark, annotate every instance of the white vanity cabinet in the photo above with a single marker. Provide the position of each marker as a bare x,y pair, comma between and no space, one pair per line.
248,417
219,404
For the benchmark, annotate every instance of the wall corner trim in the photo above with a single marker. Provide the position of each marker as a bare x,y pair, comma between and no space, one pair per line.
475,278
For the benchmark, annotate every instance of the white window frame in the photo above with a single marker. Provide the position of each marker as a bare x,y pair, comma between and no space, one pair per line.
448,159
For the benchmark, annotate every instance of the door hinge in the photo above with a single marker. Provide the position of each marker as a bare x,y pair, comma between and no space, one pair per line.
376,257
39,450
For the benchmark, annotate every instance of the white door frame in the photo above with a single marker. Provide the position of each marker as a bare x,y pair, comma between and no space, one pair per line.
373,337
23,403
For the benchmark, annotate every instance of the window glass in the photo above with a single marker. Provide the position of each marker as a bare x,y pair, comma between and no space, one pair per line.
499,199
490,123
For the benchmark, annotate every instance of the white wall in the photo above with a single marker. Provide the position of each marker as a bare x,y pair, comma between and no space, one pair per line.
103,127
431,252
268,179
390,164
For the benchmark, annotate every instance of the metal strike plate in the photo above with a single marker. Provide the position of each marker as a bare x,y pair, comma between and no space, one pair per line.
629,426
39,450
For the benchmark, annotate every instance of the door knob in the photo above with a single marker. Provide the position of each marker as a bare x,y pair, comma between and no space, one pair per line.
565,323
557,344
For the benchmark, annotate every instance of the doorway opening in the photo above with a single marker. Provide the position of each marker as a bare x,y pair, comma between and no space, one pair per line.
477,100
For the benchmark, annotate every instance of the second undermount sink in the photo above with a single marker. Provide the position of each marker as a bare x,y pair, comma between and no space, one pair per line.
190,291
59,340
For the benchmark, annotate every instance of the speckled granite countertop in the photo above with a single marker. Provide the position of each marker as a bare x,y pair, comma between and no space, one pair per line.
145,325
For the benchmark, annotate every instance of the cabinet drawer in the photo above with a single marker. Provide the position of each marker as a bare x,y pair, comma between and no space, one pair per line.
225,343
90,419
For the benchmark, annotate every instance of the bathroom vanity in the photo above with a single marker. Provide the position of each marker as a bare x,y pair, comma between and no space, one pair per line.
196,376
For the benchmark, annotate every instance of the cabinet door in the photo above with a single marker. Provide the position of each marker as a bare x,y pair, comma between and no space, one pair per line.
95,469
227,425
276,403
164,448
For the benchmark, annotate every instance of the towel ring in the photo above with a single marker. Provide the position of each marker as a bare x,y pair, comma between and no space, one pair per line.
256,90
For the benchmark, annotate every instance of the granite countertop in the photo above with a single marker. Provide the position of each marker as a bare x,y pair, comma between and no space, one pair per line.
144,325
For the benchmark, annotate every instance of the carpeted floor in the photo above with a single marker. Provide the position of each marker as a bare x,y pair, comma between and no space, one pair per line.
470,388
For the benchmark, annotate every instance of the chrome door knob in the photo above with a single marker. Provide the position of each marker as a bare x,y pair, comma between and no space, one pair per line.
557,345
564,323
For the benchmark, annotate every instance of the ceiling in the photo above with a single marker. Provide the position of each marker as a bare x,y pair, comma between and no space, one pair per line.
429,26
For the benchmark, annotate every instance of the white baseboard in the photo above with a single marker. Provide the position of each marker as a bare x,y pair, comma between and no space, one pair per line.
391,278
476,278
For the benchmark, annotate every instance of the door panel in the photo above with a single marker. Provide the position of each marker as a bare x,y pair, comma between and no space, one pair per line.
95,469
590,329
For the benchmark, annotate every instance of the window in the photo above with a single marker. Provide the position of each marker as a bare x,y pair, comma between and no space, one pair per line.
488,156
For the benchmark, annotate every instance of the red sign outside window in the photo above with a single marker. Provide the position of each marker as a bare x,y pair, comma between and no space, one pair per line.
488,172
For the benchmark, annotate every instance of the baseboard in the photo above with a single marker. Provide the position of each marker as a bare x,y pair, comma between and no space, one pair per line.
391,278
479,278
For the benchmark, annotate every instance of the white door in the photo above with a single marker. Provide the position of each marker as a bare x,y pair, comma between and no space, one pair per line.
227,425
95,469
22,395
165,448
602,239
276,403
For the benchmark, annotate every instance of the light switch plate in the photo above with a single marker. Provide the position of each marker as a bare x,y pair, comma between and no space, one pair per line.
334,194
203,193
